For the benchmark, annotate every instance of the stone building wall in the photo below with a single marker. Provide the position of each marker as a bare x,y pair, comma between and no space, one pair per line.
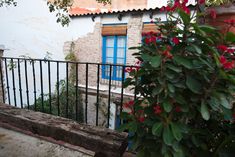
89,49
134,28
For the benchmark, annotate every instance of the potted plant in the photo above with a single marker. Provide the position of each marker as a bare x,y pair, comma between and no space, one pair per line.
185,87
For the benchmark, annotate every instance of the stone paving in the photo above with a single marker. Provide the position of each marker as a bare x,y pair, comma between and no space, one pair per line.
15,144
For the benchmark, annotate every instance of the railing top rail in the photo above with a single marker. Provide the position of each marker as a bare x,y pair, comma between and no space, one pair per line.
63,61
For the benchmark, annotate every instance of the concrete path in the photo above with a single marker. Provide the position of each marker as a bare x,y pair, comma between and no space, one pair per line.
15,144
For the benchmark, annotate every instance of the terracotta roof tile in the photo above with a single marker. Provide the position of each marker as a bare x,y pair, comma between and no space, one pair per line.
77,11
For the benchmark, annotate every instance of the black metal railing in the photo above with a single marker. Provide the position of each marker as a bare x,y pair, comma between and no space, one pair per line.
69,89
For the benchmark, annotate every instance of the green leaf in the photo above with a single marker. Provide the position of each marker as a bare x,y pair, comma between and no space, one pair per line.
134,48
127,82
214,103
146,57
207,28
155,61
205,112
167,154
225,102
183,61
197,49
132,126
167,136
157,90
179,154
123,127
157,129
170,74
176,146
141,153
184,128
171,88
230,37
185,17
195,141
176,131
193,85
167,106
174,68
180,99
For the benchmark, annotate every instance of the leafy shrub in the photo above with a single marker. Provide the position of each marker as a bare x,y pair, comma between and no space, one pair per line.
62,102
185,85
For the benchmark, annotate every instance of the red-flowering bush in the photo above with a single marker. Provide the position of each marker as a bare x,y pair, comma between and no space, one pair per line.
185,86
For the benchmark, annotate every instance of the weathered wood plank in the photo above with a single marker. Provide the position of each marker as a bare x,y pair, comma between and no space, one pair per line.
104,142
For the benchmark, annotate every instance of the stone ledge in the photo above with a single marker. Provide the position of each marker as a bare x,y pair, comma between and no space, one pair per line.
104,142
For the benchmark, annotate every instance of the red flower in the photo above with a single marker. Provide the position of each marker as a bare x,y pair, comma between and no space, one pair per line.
213,13
151,38
162,8
129,69
168,47
159,38
167,54
185,2
201,1
144,34
226,64
141,119
230,50
229,65
157,109
168,8
175,40
177,109
176,5
222,48
138,63
230,22
222,60
186,9
129,104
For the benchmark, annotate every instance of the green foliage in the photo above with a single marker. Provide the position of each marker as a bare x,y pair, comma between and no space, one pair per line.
185,91
62,102
7,3
218,2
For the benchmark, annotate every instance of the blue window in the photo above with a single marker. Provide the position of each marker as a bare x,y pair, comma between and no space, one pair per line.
114,52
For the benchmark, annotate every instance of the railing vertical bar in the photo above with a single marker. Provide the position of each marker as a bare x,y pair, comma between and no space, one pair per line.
41,80
58,89
34,86
86,97
49,84
20,87
7,79
26,82
109,95
122,90
2,84
97,94
67,89
13,81
76,92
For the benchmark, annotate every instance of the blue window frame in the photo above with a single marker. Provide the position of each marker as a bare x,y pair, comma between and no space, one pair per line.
114,52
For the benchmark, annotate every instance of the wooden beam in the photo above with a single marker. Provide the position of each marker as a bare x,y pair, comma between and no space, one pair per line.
114,30
104,142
